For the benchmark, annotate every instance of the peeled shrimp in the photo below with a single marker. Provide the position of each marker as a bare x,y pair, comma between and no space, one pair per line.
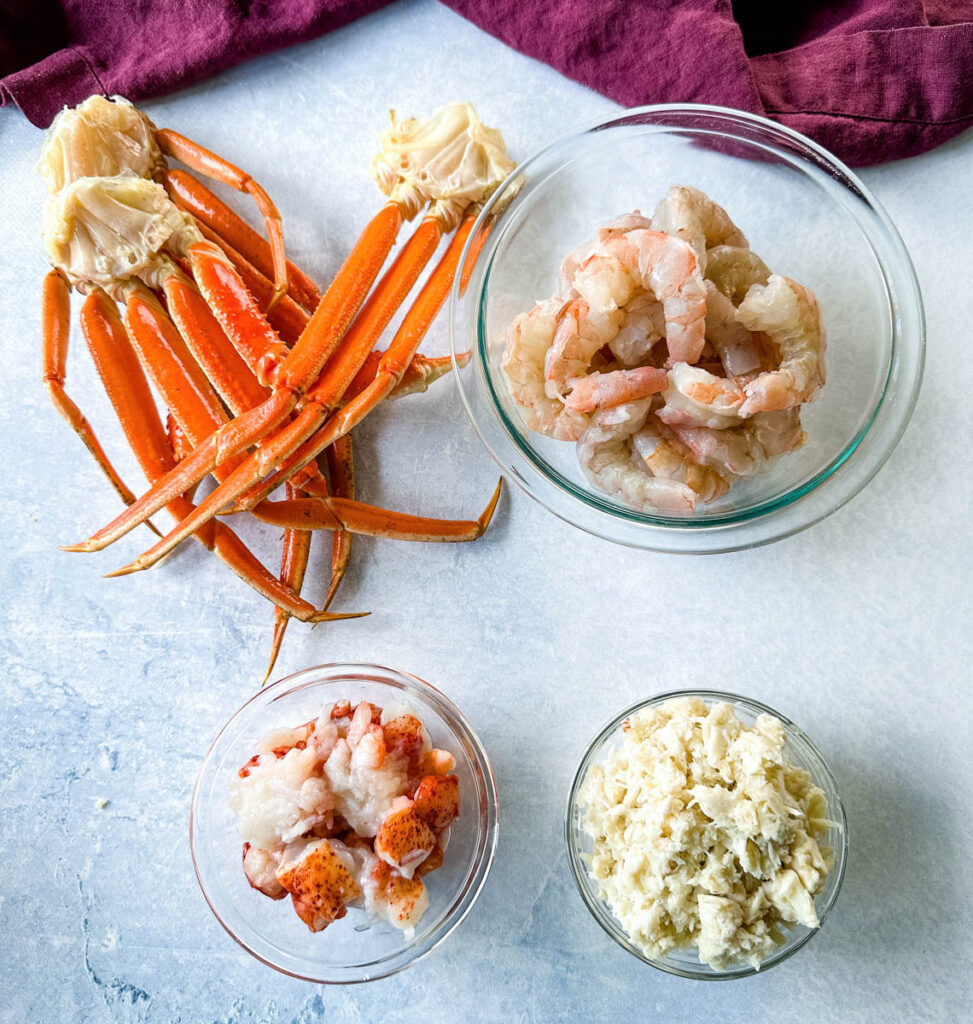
693,217
666,456
733,270
605,456
697,398
581,332
667,267
528,340
553,345
669,427
790,316
734,344
578,256
643,329
749,448
606,390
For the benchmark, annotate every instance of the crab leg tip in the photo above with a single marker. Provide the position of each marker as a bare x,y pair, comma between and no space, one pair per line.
80,546
279,292
487,515
270,668
126,570
334,616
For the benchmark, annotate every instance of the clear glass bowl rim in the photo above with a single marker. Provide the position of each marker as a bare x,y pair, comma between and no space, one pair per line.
334,672
733,529
820,771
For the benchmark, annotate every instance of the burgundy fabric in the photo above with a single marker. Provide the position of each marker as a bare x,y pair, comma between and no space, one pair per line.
870,79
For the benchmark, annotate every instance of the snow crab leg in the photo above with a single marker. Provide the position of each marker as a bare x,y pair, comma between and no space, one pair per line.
284,369
297,543
341,514
193,155
127,388
322,398
341,470
389,374
56,329
293,567
211,212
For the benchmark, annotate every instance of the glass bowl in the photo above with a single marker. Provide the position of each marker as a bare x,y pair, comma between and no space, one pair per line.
800,751
349,950
809,218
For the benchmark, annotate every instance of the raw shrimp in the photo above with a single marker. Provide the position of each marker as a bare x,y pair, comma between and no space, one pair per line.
693,217
576,257
605,390
733,270
734,344
668,427
605,456
581,333
528,340
606,287
749,448
668,268
667,457
697,398
643,329
790,316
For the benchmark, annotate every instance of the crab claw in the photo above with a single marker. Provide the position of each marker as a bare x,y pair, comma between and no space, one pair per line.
436,800
319,882
404,839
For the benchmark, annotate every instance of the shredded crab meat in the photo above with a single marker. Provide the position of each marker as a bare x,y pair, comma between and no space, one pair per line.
705,834
351,809
450,160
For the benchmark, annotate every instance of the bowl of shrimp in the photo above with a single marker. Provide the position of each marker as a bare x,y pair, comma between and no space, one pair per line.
687,329
334,914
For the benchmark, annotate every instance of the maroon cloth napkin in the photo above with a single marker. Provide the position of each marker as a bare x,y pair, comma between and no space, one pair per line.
870,79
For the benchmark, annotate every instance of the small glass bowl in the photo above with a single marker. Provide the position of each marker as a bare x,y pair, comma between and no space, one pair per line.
350,950
801,752
809,218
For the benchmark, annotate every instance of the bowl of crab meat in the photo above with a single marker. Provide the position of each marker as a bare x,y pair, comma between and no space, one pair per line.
344,822
687,329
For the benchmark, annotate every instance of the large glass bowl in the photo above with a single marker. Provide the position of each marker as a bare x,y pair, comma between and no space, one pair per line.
809,218
350,950
798,749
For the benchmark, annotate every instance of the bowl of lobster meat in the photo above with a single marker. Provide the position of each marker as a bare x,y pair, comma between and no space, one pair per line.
344,822
687,329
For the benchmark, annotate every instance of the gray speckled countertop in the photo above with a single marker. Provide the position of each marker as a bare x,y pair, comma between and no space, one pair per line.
858,629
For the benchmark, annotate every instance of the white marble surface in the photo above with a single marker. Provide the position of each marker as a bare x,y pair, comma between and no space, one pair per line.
858,629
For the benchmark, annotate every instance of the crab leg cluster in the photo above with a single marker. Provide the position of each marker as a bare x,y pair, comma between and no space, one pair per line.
260,374
127,387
